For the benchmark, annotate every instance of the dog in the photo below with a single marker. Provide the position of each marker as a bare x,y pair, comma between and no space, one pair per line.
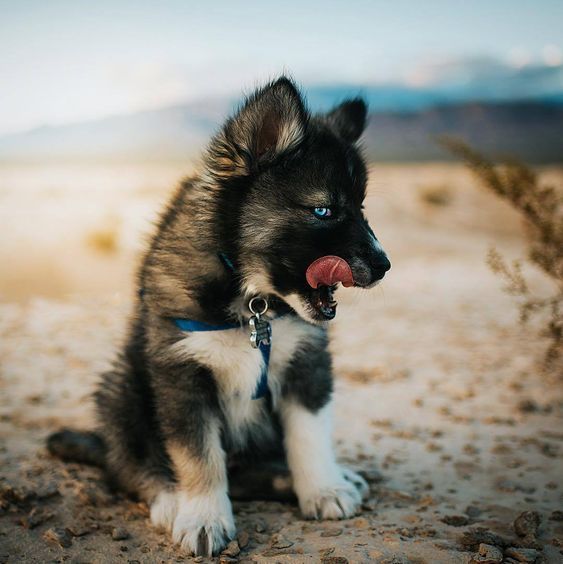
226,364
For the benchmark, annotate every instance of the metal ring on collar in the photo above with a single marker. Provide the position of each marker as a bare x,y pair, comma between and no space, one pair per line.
253,303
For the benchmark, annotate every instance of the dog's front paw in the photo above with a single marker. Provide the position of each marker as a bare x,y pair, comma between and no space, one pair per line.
338,501
204,524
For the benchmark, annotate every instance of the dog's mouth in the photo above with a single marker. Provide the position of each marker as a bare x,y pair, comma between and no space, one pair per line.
322,302
323,275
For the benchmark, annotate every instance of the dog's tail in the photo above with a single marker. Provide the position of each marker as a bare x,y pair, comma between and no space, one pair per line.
85,447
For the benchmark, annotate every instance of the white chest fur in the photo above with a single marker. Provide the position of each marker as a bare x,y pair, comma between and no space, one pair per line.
237,368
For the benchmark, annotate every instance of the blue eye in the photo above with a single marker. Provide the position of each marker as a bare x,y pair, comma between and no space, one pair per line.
322,212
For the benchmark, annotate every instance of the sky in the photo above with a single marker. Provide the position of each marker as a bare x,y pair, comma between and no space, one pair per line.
63,61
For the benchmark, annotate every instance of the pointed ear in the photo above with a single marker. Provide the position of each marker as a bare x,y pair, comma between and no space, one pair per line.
349,119
271,122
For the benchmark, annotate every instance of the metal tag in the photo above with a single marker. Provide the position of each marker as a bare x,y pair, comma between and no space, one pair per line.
260,329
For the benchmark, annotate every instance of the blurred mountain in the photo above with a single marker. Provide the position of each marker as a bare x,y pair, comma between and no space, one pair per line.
497,108
531,131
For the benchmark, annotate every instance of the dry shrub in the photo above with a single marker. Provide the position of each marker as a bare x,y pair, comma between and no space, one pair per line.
105,240
439,196
541,207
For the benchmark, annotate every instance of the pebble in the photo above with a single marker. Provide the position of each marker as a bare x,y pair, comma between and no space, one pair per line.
472,511
455,520
279,541
59,536
119,533
556,515
472,539
260,526
233,549
527,524
46,491
488,554
81,529
334,560
361,523
522,554
332,532
243,539
224,559
36,517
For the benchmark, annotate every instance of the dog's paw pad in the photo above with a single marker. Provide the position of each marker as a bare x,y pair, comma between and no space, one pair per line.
164,509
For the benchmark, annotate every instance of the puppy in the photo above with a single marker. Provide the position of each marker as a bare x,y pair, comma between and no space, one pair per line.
226,358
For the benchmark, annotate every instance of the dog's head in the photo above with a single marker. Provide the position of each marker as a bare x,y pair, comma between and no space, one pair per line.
290,207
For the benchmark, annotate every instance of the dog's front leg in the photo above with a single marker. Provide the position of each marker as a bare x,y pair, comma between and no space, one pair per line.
204,523
324,489
203,519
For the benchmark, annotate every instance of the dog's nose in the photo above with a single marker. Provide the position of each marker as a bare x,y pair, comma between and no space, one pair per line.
369,269
380,266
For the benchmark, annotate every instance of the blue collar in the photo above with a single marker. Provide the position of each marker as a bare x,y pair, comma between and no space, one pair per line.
194,326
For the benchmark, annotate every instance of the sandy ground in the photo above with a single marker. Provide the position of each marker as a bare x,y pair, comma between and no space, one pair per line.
439,399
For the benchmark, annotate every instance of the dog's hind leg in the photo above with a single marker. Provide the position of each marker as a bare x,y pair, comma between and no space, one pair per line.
135,458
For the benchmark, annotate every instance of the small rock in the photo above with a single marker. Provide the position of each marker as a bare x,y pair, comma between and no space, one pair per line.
260,526
233,549
556,515
243,539
522,554
81,529
472,511
276,552
488,554
260,538
471,539
58,536
332,532
36,517
91,495
334,560
10,494
198,559
455,520
361,523
527,524
119,533
528,406
46,491
224,559
279,541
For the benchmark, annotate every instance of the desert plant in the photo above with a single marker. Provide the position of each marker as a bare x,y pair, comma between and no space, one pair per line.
105,239
436,195
541,207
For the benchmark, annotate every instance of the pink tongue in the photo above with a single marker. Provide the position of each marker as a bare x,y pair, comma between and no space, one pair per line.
326,271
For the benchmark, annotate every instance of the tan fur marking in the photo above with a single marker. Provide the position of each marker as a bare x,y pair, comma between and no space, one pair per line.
199,475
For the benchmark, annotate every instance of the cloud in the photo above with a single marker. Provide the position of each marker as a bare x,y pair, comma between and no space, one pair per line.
489,78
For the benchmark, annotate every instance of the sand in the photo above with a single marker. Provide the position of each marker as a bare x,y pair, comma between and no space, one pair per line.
440,401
